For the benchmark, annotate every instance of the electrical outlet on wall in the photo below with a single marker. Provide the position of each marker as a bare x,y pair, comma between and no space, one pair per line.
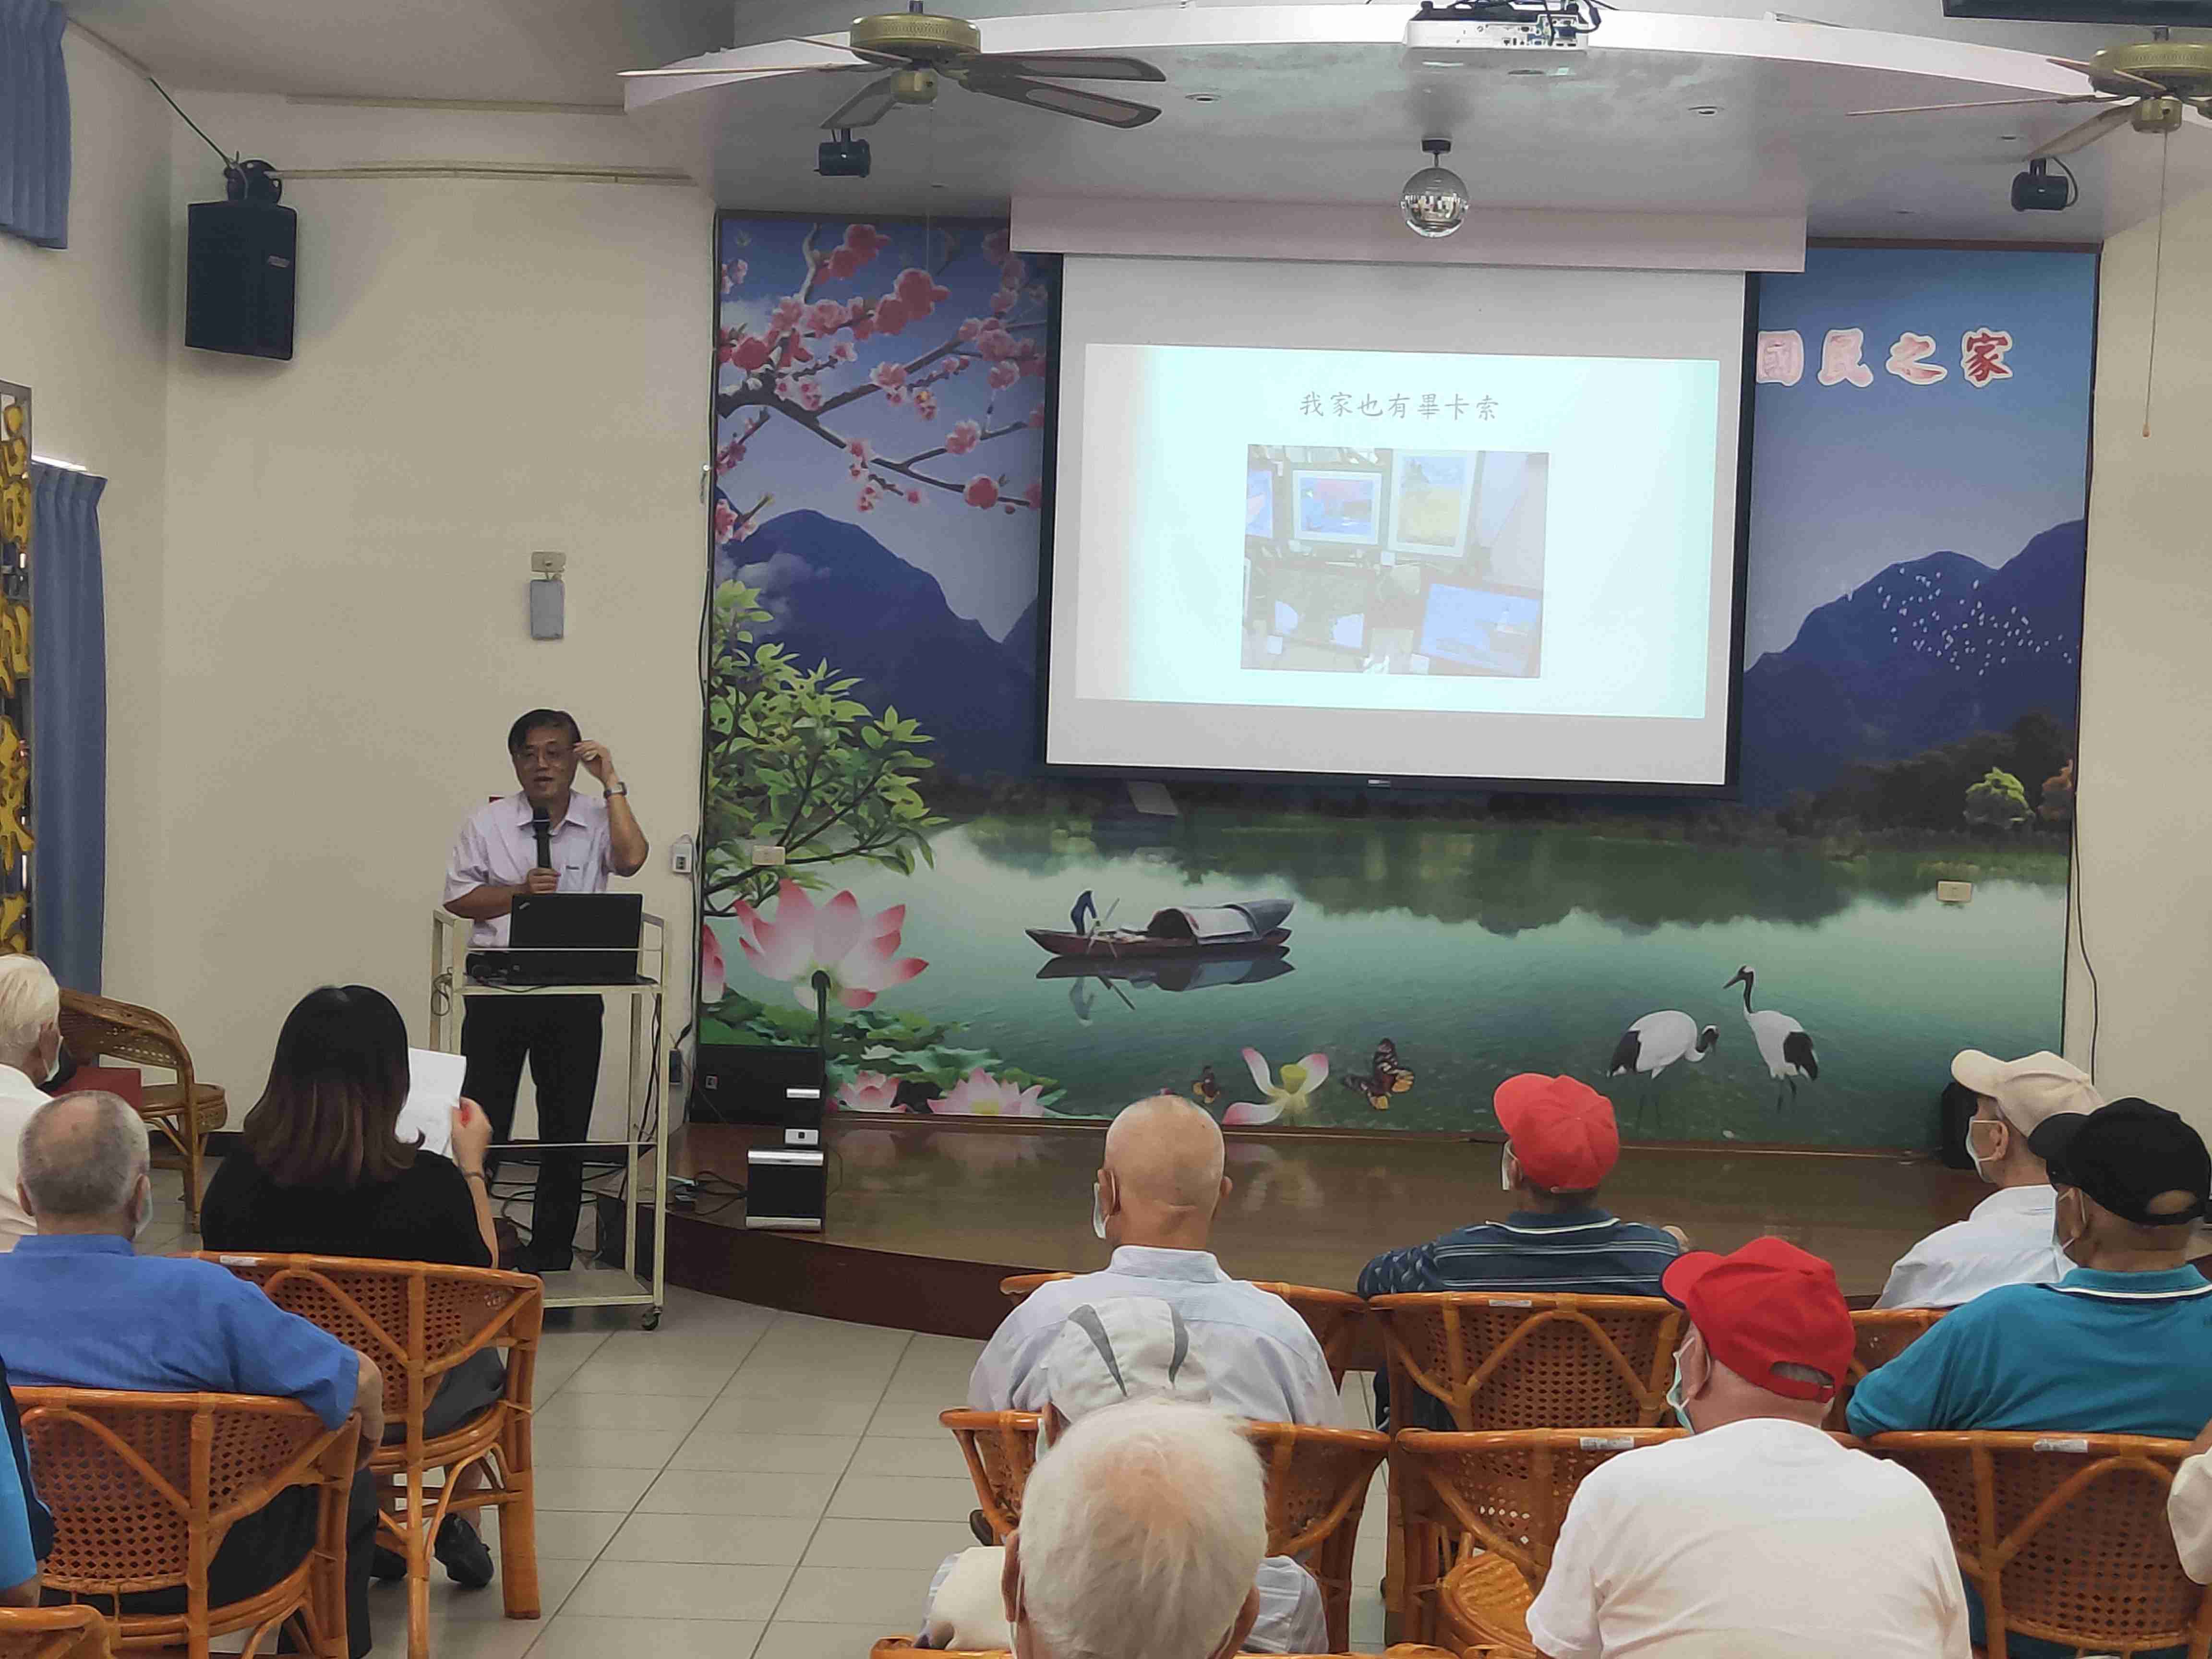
680,855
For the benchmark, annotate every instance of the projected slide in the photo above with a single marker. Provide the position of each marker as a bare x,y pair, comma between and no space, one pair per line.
1426,563
1393,561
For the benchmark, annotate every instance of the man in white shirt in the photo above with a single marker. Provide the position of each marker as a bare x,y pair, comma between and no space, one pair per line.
2007,1239
1757,1534
30,1044
494,861
1154,1202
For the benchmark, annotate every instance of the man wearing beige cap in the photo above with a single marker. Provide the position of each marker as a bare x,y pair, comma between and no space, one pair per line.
2008,1239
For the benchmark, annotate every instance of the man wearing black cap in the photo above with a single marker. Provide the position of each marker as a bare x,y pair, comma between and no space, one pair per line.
2117,1346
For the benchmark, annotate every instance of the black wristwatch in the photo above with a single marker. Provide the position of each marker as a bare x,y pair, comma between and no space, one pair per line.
621,789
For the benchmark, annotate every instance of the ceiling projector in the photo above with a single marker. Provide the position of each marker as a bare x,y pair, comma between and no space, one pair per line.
1521,37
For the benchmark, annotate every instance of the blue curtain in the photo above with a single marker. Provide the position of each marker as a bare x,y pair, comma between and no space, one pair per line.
34,123
68,726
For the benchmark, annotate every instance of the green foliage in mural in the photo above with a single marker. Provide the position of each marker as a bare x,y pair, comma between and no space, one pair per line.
909,1049
1997,800
795,760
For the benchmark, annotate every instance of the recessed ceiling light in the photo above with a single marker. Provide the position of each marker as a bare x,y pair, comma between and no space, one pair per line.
1704,109
1203,97
2008,138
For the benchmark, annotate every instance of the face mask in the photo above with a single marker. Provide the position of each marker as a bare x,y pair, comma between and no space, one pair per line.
1506,1171
1674,1400
1098,1210
1981,1163
2061,1240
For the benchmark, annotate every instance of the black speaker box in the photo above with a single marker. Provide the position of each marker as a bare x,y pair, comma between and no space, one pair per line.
238,278
746,1083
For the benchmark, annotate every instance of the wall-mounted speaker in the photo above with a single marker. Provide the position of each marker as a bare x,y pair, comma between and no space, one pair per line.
238,278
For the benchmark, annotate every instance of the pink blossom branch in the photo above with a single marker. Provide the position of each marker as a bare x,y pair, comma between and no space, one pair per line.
981,438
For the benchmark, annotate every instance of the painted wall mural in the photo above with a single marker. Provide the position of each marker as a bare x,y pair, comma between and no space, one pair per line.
1775,970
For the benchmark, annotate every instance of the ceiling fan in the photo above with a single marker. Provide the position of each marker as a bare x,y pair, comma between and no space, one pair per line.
920,50
2144,86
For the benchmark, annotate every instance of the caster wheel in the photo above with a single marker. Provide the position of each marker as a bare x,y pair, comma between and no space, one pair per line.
652,1319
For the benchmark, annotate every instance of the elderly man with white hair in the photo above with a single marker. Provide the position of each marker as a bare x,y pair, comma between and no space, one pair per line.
1156,1194
30,1047
1141,1532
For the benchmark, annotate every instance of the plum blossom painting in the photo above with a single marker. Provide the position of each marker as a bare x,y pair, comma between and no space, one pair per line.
999,941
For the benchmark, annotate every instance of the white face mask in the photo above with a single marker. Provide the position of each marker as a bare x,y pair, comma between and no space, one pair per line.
1981,1164
1098,1210
1508,1172
1674,1400
2061,1240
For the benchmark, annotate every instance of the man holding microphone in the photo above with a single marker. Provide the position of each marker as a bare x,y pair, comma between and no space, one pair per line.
545,839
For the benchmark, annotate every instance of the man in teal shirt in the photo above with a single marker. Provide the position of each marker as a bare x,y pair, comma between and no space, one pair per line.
2121,1344
2118,1346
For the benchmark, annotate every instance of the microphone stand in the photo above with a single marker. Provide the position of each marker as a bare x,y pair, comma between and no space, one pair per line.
821,983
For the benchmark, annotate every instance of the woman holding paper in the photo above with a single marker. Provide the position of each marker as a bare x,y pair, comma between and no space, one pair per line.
325,1167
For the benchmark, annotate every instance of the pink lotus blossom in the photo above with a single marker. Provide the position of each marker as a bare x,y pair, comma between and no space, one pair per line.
1003,375
889,376
982,491
859,954
869,1091
962,438
824,315
713,976
967,330
733,273
981,1095
995,248
891,314
1003,302
1295,1096
726,522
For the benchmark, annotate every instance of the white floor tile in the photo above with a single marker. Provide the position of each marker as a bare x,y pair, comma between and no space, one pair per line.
580,1636
841,1542
767,1454
730,1540
637,1409
591,1488
562,1534
754,1381
796,1638
713,1491
678,1590
886,1454
603,1375
904,1497
842,1594
910,1418
799,1413
604,1448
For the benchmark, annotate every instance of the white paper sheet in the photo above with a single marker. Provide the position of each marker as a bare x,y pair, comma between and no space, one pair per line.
434,1090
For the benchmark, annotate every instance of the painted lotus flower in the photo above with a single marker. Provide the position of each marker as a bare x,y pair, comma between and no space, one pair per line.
981,1095
869,1091
859,953
1294,1095
713,972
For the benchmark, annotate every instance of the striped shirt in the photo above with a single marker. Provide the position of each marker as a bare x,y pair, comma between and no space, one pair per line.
1576,1252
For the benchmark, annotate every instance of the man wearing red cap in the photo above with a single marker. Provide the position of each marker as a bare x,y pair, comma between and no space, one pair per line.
1561,1143
1757,1534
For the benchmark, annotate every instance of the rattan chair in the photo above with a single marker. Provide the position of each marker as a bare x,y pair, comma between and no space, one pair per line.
902,1647
144,1486
1882,1333
2065,1536
187,1111
1317,1482
1532,1361
1337,1318
1481,1513
418,1320
75,1632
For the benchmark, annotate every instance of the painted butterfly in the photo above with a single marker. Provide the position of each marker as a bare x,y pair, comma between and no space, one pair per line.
1385,1078
1207,1088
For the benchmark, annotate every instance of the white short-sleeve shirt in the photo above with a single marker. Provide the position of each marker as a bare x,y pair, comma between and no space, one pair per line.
1759,1538
496,847
19,1098
2005,1241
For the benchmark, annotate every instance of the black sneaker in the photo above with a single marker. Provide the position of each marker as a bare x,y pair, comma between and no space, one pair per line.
464,1555
388,1565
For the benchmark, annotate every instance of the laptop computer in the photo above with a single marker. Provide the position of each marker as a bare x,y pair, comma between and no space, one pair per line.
568,938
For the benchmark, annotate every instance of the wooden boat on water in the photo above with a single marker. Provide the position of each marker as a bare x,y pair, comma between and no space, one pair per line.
1246,928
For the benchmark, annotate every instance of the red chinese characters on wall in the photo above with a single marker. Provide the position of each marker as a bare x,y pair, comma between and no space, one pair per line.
1779,358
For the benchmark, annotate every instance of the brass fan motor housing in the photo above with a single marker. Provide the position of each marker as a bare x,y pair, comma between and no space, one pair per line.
917,37
2181,66
2156,115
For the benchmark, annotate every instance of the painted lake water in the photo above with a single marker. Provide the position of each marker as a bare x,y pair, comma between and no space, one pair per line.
1481,950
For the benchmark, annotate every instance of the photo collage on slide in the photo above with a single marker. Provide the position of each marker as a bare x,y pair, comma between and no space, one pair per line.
1395,560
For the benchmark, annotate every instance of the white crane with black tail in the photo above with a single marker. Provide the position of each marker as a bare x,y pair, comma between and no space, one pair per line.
1782,1042
1656,1042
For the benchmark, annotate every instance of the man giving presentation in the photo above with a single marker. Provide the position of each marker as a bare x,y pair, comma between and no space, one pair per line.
496,858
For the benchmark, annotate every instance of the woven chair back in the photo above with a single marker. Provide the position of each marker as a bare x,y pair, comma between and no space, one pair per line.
1337,1319
77,1632
143,1485
417,1320
2065,1536
92,1026
1881,1334
1001,1447
1532,1361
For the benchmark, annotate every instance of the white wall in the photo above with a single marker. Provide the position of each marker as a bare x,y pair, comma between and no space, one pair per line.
86,328
2143,891
483,368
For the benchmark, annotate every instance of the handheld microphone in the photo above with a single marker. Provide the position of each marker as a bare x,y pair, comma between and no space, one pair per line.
543,825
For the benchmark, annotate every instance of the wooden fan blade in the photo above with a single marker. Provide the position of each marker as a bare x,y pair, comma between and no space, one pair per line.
2087,134
1068,66
749,69
2115,74
1061,100
865,107
1986,103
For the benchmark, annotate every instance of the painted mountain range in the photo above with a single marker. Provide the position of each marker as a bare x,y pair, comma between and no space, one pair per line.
838,594
1922,653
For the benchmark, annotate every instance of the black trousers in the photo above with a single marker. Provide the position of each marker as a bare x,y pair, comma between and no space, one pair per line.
560,1036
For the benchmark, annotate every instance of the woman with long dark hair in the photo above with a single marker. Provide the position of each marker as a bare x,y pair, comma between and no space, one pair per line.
320,1170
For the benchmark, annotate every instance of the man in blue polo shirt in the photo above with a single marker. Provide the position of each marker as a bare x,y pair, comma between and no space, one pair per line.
80,1309
1561,1142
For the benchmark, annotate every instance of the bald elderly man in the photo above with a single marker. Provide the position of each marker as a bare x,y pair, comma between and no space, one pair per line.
1155,1201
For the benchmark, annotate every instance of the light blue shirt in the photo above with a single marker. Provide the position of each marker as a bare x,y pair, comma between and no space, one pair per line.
17,1561
83,1310
2097,1353
1261,1359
